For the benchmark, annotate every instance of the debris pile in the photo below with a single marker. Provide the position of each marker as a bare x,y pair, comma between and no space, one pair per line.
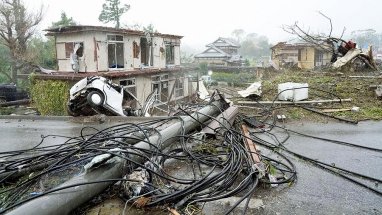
169,163
147,152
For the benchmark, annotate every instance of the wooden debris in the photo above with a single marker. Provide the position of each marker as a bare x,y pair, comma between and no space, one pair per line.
297,102
173,211
335,110
250,145
17,102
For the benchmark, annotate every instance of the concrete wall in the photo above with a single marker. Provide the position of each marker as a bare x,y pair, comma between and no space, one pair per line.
211,61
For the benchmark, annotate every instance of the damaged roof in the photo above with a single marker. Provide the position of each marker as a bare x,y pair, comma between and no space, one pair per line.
86,28
286,45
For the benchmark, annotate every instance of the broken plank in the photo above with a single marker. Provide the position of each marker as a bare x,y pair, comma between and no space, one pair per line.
335,110
364,76
173,211
250,145
297,102
16,102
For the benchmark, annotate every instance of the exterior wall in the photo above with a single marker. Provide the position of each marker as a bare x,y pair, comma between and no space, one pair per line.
159,57
131,62
279,56
86,62
306,58
143,87
177,55
219,62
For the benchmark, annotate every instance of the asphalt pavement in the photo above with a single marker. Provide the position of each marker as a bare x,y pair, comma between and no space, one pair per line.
316,191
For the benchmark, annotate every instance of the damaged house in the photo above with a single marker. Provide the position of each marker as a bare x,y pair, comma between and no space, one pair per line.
222,52
139,61
302,55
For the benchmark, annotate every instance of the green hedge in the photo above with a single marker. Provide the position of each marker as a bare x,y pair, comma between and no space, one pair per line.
237,79
50,97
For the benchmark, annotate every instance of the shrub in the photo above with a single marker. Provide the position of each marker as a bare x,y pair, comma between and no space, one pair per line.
50,97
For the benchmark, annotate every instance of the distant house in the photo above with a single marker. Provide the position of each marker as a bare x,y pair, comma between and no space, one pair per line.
222,52
141,62
302,55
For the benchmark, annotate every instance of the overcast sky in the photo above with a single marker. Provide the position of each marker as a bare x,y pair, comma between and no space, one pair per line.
202,21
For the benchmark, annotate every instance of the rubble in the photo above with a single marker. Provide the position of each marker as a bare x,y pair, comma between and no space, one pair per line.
293,91
253,89
151,162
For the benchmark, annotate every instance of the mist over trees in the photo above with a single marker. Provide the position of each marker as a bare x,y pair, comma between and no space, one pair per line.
253,46
367,37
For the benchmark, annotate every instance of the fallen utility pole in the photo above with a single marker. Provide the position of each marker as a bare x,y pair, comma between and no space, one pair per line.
82,188
224,119
296,102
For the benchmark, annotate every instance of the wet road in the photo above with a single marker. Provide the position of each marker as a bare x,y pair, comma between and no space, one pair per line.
315,192
319,192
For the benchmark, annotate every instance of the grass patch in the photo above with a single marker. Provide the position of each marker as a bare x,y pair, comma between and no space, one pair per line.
240,79
328,85
7,110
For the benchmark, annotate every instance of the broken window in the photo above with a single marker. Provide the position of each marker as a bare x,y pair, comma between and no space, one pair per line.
160,84
299,55
115,49
127,82
170,54
179,84
115,38
69,48
146,50
135,50
129,86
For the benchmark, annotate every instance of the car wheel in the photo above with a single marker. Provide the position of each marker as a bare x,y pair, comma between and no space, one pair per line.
95,98
72,112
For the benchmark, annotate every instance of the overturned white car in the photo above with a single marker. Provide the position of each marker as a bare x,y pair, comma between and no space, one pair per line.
97,94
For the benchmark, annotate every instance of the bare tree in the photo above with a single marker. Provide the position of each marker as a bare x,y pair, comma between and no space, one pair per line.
322,40
17,26
336,45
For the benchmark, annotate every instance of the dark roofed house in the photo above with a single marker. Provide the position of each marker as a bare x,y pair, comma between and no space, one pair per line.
222,52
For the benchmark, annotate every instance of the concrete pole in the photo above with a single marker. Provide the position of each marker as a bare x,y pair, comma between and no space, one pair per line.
65,201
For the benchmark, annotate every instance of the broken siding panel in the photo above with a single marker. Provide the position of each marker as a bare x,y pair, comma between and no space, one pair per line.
177,55
143,86
136,58
101,48
306,58
186,86
129,53
159,56
60,51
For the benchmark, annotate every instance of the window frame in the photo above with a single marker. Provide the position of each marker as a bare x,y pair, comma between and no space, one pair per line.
69,48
